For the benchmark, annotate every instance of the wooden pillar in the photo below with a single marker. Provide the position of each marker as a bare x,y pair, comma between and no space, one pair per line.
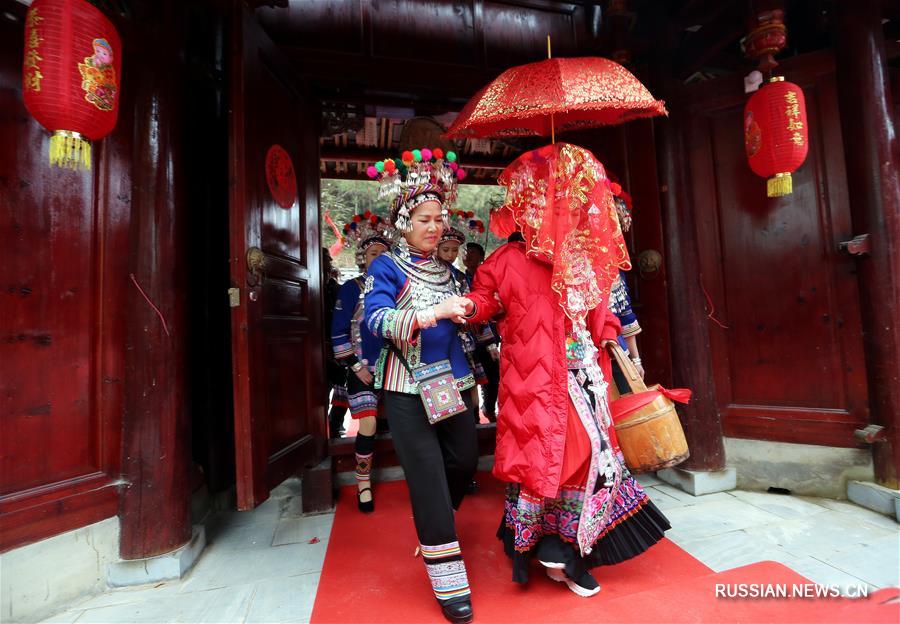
688,332
689,335
155,502
871,154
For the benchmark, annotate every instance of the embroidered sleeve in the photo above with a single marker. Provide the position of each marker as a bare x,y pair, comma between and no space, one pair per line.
399,325
620,304
632,329
341,340
383,285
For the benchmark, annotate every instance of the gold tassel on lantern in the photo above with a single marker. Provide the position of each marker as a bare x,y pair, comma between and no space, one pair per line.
70,150
780,185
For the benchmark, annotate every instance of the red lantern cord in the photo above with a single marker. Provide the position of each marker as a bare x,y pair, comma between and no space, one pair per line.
711,309
152,305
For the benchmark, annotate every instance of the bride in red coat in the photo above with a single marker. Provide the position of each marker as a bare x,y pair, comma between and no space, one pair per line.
571,502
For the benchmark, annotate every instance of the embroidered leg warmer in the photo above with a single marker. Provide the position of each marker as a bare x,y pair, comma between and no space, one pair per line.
365,447
447,572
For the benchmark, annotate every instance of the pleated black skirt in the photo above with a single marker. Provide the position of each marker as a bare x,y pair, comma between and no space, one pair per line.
633,535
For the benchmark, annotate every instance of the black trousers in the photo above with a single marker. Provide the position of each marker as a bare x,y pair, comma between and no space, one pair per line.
439,462
490,390
337,376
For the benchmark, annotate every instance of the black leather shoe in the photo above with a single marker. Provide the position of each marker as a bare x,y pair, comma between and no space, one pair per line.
458,612
369,505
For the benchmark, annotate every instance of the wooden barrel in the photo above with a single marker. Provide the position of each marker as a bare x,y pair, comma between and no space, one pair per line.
651,437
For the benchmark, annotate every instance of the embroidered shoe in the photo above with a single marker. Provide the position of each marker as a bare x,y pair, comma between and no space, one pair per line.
365,506
586,586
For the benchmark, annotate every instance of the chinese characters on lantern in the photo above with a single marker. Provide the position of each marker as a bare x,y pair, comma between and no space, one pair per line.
792,111
33,41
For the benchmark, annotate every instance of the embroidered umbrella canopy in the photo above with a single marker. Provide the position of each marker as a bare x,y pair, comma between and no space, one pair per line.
555,95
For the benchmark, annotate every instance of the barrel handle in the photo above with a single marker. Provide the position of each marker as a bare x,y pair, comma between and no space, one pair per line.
632,376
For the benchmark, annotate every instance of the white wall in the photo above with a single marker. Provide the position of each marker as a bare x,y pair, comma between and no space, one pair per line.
39,579
804,469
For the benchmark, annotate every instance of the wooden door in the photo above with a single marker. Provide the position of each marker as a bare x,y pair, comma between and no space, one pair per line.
64,258
277,349
788,357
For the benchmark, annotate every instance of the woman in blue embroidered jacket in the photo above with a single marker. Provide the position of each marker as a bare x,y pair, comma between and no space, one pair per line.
356,348
411,303
620,301
477,335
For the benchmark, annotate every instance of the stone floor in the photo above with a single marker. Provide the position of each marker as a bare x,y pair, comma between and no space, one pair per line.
264,566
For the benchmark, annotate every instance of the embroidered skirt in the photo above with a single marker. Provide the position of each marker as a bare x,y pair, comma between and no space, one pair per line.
615,522
339,398
362,398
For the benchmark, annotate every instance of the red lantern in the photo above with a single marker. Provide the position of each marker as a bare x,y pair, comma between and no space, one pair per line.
71,75
775,133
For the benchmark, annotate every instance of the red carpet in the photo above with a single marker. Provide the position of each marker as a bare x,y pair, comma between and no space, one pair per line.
370,575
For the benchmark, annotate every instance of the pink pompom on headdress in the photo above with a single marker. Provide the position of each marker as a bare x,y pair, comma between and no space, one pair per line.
367,229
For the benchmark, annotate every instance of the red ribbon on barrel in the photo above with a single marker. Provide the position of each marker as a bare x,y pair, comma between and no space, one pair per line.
629,403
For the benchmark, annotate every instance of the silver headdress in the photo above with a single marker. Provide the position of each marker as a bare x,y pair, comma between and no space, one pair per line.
420,176
462,225
365,230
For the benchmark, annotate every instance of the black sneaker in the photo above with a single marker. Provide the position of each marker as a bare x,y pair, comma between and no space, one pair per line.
585,586
458,612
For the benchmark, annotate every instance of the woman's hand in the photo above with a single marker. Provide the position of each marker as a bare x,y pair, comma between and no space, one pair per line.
606,344
365,376
639,367
453,308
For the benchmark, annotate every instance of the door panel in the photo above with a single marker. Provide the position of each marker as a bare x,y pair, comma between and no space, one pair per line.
276,329
62,327
789,363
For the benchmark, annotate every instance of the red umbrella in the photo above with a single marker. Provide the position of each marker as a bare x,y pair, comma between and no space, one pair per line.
556,94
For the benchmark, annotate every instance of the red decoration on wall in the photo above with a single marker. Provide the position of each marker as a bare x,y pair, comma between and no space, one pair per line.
71,76
775,133
280,176
767,37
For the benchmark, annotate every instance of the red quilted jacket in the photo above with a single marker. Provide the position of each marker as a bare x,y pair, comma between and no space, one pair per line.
531,425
